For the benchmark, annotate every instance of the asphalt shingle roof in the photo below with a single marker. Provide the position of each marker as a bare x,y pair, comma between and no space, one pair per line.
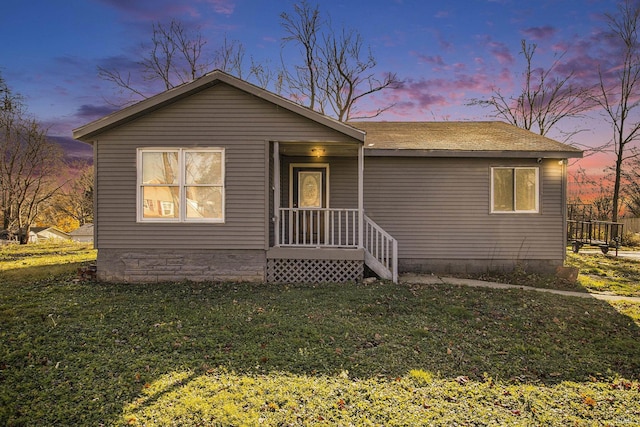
458,136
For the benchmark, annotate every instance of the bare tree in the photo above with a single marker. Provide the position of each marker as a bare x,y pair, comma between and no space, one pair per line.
336,71
29,168
545,99
619,90
75,201
632,187
597,191
177,55
174,57
230,57
302,29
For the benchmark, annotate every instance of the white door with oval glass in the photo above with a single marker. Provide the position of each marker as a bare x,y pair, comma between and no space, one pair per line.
309,196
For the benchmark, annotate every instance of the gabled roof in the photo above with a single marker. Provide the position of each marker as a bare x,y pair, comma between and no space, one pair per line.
84,230
479,139
53,230
88,131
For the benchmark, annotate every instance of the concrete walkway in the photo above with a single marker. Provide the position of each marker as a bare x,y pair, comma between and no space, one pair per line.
612,252
430,279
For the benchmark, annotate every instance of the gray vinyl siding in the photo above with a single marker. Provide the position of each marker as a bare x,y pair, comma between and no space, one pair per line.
220,116
439,208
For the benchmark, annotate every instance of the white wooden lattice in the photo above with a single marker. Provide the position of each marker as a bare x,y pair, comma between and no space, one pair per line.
314,271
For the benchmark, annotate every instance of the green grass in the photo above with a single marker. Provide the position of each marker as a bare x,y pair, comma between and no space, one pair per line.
381,354
37,261
607,273
598,273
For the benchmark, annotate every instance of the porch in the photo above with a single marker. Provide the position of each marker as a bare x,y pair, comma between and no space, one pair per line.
319,231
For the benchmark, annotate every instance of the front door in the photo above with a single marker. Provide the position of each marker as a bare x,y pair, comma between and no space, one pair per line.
309,194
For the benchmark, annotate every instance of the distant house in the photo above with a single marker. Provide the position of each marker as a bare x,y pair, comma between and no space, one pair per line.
83,233
39,234
218,179
7,237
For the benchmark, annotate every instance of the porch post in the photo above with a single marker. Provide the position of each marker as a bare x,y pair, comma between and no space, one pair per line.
565,207
276,192
360,195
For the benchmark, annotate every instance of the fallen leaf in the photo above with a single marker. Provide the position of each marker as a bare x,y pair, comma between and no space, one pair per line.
590,402
462,380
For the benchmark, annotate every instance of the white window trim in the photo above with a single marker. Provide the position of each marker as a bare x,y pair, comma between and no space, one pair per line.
514,211
181,184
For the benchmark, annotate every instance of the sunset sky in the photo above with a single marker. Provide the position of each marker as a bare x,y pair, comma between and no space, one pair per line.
445,52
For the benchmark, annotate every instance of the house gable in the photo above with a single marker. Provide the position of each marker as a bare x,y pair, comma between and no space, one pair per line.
219,115
88,131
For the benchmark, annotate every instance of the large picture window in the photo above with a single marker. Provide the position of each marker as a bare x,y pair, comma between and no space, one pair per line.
514,189
181,185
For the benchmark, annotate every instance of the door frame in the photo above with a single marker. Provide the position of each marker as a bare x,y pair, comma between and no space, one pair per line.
311,166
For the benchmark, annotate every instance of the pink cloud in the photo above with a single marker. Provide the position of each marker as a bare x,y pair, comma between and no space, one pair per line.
89,111
223,7
428,59
501,53
159,10
539,33
426,94
444,44
438,62
561,46
156,10
498,50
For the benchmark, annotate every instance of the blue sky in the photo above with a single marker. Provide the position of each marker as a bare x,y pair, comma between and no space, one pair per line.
445,52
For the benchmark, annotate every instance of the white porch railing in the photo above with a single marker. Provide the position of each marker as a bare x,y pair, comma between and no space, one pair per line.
337,228
381,250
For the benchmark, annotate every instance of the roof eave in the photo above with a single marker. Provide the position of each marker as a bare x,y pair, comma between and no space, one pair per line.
87,132
391,152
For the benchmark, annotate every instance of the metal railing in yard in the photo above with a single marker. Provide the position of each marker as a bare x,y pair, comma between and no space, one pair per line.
604,234
337,228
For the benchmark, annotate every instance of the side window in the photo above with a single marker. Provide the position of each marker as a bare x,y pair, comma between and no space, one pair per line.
515,190
181,185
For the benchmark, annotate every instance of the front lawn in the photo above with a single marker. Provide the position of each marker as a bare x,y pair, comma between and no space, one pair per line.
598,273
607,273
25,263
381,354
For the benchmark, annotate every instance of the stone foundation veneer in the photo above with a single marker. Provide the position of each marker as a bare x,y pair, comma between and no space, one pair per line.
153,265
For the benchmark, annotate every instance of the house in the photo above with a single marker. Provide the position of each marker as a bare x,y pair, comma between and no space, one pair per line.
84,233
218,179
40,234
7,237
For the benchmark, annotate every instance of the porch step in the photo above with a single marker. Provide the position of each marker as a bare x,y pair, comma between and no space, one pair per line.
380,251
377,267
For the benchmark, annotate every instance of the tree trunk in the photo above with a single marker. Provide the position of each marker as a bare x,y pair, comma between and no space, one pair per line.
616,186
23,235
